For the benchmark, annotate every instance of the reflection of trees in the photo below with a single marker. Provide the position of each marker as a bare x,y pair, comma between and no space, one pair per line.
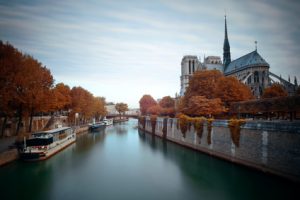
121,129
87,141
200,168
206,173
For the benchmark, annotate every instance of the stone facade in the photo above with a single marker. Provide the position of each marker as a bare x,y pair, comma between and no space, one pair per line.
267,146
189,65
250,69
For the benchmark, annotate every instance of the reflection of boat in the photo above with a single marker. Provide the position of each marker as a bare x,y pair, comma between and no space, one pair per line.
108,122
96,125
44,144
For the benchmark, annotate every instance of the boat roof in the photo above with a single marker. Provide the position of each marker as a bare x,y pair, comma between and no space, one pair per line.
53,131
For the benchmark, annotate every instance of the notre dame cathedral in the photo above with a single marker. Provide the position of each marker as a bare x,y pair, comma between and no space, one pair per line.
251,69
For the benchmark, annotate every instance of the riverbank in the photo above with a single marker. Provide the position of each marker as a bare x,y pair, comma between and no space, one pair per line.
81,129
271,147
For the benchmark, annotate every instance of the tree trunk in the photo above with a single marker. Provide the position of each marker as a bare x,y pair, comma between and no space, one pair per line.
3,126
31,117
20,119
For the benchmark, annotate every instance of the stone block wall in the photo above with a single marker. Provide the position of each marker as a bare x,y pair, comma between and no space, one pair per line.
273,147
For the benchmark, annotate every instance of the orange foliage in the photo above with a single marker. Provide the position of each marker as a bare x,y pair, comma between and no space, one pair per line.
146,102
276,90
61,97
167,105
168,112
99,109
203,83
167,102
208,90
229,90
121,107
84,103
26,87
25,83
201,106
154,110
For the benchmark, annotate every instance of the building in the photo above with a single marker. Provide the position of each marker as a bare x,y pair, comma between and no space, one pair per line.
189,65
213,62
111,109
251,69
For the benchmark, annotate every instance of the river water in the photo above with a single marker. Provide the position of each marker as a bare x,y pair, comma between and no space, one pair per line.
120,162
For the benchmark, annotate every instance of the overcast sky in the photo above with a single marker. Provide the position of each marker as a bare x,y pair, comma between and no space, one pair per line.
124,49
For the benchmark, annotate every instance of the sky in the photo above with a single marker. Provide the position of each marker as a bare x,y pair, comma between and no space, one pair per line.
124,49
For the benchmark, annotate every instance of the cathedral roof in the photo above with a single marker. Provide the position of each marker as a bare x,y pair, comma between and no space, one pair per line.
249,60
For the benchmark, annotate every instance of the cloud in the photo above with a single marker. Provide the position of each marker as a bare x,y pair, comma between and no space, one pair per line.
122,49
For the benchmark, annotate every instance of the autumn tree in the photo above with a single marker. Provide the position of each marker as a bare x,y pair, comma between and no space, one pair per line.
275,90
201,106
146,102
155,110
167,102
121,108
26,88
35,82
229,89
99,109
82,101
203,83
167,105
25,83
61,97
10,64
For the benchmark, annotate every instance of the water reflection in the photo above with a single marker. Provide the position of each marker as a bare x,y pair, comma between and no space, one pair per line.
120,162
217,179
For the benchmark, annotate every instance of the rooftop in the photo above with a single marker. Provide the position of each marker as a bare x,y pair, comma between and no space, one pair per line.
249,60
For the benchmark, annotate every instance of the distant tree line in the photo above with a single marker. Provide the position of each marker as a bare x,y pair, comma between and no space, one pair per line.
211,94
27,88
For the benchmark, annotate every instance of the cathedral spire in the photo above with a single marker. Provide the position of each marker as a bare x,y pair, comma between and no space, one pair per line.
226,48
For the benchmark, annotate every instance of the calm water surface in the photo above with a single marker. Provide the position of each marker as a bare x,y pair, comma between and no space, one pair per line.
121,163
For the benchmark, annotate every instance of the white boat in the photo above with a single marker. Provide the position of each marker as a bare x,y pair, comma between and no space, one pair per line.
96,125
108,122
43,145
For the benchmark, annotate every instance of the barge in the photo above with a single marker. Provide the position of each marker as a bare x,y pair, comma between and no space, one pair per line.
42,145
96,126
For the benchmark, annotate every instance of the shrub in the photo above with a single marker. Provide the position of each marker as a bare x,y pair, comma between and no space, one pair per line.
209,128
235,129
153,119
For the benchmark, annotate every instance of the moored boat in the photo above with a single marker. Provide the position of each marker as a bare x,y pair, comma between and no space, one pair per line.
108,122
96,125
42,145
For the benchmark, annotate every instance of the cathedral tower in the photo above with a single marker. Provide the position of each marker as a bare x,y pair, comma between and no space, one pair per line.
226,49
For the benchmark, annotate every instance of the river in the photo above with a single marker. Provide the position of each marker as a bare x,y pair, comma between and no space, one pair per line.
120,162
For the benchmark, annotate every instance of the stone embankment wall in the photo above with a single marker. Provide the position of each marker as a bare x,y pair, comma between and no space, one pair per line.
272,147
81,129
38,124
